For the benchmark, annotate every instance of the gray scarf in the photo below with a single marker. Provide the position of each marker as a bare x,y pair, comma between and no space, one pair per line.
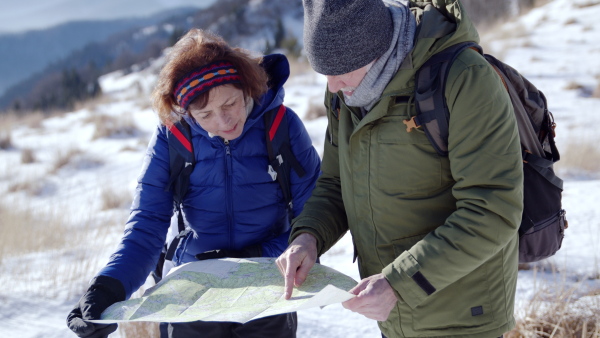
385,67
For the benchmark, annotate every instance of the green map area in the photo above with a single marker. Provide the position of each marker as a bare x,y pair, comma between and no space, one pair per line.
230,289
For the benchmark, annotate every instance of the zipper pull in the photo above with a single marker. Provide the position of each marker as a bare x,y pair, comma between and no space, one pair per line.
226,142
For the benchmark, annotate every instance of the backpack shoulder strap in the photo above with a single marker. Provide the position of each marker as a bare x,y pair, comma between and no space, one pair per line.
430,87
181,159
281,158
181,165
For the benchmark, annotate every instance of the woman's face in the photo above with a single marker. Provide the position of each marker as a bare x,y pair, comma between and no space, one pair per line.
224,114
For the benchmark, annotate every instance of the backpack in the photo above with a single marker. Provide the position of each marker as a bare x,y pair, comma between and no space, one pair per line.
182,162
543,221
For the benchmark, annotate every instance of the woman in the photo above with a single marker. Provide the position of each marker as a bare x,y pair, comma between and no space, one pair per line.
232,204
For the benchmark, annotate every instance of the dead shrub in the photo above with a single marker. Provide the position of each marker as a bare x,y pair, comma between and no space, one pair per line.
27,156
529,44
110,126
579,157
596,91
33,187
536,59
128,148
139,330
7,122
299,66
315,111
34,119
572,85
63,158
5,139
560,314
112,199
587,4
28,231
571,21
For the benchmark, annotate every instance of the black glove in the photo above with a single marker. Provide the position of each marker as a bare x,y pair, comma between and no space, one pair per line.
247,252
103,292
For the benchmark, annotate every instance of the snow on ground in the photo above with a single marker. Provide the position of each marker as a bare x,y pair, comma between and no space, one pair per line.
556,45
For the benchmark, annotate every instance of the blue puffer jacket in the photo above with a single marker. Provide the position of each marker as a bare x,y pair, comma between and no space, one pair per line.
232,201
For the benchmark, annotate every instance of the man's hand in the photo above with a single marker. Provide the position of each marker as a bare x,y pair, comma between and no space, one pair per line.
374,299
297,260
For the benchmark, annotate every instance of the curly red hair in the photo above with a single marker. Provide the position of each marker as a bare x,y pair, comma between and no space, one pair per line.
196,49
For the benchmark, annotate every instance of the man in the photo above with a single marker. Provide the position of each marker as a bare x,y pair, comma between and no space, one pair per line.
436,237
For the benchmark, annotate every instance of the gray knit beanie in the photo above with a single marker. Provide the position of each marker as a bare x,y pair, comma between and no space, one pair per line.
341,36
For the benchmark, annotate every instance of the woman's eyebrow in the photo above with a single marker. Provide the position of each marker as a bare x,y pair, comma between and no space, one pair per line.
230,100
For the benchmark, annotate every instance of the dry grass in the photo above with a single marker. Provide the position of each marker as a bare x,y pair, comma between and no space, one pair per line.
30,118
112,199
34,119
529,44
129,148
33,187
27,231
5,139
579,156
587,4
564,316
27,156
110,126
49,253
139,330
571,21
315,110
596,91
585,91
7,121
63,158
573,85
299,66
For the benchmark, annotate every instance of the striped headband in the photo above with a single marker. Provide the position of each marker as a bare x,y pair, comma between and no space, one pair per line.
203,79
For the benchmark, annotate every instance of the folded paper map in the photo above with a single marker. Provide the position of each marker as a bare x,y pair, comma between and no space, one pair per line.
229,289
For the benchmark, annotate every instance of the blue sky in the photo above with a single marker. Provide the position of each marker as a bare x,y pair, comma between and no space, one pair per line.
19,16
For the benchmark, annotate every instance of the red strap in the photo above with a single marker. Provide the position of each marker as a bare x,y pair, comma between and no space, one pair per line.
184,141
276,122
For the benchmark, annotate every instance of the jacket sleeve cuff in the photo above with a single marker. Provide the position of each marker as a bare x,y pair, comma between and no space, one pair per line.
111,286
298,230
405,277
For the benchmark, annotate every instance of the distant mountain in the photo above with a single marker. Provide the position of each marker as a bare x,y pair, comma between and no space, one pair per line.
20,16
23,54
259,25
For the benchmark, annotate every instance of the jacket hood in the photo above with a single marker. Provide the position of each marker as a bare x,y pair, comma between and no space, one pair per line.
440,24
278,71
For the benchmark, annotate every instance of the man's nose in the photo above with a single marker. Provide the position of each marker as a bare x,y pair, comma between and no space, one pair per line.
334,83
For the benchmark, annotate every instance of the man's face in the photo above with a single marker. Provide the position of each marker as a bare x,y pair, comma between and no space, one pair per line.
348,82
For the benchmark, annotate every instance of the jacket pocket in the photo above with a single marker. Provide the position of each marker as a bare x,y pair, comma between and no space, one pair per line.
460,307
406,163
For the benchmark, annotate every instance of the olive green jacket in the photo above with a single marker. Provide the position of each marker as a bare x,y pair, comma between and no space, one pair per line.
443,231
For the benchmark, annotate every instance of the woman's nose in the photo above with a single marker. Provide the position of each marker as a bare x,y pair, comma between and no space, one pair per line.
225,118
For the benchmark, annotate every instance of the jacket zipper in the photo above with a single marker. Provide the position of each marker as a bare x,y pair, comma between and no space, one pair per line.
229,206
